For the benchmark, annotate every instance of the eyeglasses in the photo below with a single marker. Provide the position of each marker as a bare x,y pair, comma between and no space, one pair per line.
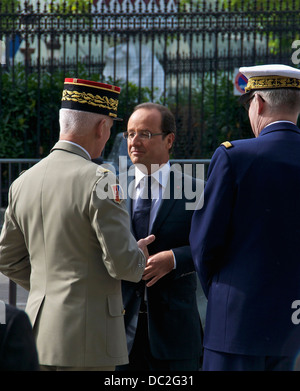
145,135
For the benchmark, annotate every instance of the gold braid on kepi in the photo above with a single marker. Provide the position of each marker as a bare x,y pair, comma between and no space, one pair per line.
270,76
91,96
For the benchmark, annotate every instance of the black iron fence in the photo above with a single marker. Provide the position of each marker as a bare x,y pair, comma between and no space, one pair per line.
184,54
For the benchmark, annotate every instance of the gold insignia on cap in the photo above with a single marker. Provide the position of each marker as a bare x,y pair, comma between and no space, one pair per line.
90,99
269,82
227,144
91,96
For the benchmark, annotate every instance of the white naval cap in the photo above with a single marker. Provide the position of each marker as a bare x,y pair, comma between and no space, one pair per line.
268,77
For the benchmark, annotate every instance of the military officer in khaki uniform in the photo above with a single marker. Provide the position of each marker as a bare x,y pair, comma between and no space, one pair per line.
66,239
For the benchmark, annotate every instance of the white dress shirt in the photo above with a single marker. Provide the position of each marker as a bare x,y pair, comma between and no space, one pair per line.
158,187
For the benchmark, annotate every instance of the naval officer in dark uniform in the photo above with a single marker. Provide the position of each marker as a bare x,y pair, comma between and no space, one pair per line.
245,241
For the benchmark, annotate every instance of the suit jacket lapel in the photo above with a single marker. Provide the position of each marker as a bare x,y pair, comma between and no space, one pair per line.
175,185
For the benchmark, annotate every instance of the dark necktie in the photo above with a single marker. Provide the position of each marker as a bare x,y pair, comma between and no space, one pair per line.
141,215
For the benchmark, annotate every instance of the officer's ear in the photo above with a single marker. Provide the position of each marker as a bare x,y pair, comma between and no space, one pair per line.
260,103
100,127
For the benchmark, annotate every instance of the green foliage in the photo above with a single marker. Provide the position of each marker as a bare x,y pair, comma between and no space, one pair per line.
259,4
10,9
232,119
29,110
74,6
206,116
270,16
9,5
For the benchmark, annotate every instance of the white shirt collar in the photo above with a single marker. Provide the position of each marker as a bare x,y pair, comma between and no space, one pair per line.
277,122
161,175
77,145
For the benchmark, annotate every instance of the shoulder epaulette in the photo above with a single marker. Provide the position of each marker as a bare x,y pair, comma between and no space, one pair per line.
101,170
227,144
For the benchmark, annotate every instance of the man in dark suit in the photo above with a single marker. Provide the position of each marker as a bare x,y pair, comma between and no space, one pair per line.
17,345
162,322
245,239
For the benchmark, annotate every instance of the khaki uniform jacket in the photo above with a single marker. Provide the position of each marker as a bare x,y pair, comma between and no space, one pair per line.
66,238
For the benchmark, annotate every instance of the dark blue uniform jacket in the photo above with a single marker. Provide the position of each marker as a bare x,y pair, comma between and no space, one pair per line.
245,243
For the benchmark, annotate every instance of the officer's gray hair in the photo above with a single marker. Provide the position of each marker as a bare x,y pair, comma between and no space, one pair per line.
75,122
282,99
